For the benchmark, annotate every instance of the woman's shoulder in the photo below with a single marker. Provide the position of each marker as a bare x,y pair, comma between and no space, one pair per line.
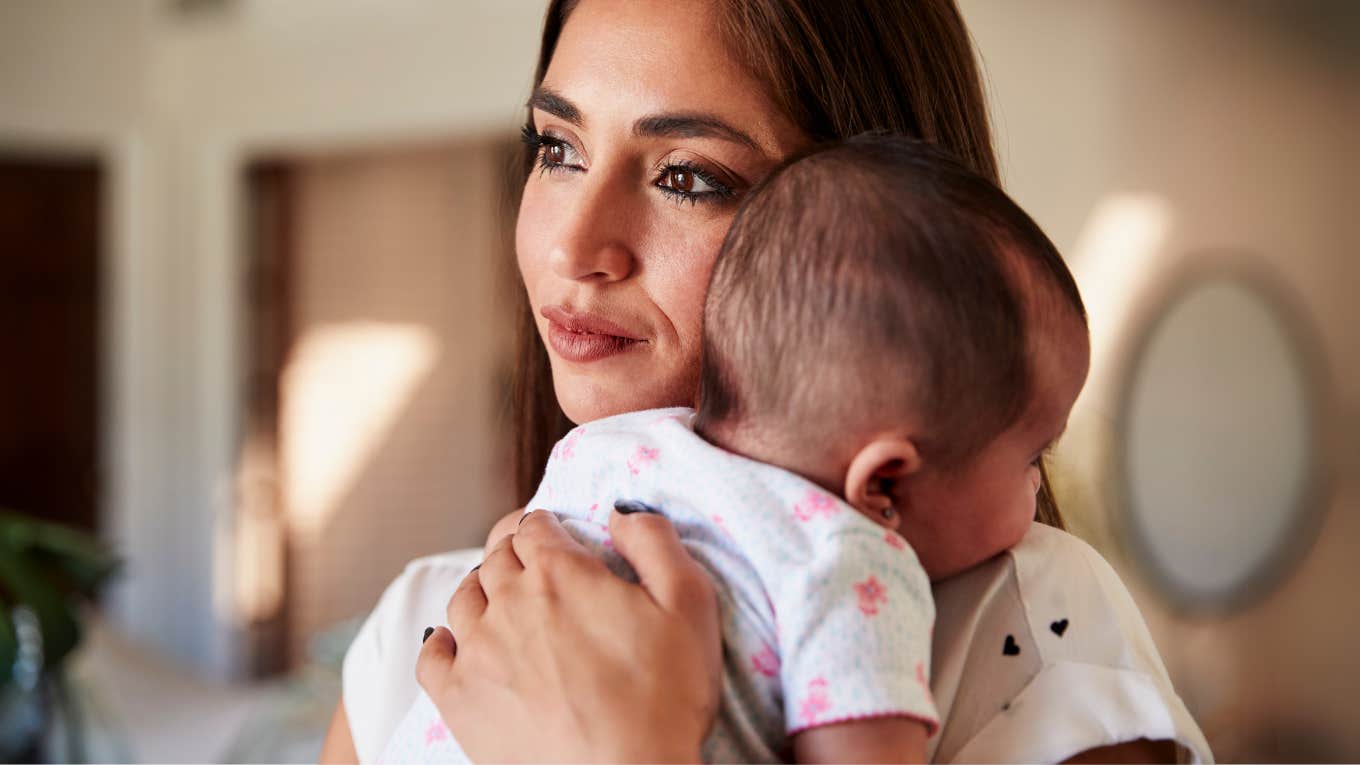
379,671
1041,653
416,598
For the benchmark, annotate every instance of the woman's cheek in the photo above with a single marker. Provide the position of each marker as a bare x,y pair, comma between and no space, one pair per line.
532,235
693,252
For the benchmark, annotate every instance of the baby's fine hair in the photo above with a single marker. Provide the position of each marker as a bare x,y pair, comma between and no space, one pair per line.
874,279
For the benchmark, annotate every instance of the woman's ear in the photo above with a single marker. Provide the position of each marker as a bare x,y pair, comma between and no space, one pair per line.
873,472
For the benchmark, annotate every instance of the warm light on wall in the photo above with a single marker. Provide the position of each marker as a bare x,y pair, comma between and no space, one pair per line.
1116,258
342,389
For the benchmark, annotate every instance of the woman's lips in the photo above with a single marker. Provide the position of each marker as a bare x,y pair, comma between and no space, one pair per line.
583,337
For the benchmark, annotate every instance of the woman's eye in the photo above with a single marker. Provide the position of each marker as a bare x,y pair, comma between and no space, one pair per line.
680,179
553,153
691,184
556,154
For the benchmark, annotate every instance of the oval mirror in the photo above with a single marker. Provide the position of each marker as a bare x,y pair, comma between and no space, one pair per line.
1219,449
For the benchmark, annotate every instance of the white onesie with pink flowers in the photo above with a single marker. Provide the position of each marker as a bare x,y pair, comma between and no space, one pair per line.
826,617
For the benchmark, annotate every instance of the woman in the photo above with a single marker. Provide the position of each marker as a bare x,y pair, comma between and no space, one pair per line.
647,122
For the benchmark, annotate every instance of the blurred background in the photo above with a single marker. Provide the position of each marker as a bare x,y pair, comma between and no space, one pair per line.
255,284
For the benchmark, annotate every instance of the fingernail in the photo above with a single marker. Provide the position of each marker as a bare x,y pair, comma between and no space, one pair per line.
630,506
474,568
428,632
522,517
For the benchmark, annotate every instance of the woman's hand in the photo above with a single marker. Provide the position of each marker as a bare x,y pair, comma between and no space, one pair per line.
554,658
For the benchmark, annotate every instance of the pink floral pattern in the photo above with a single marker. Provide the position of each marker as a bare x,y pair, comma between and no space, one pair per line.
923,681
722,525
814,504
435,732
815,703
894,541
765,661
871,593
566,448
641,458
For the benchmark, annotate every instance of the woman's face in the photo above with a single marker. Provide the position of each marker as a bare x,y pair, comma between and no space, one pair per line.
648,134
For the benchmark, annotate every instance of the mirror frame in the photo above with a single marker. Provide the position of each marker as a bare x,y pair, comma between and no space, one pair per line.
1310,506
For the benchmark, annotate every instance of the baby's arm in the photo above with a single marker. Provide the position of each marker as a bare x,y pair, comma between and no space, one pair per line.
880,739
853,625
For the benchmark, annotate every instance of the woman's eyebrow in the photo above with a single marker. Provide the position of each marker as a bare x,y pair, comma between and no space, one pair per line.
691,125
666,125
556,104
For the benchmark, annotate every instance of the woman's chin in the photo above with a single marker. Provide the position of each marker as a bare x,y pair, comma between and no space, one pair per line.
587,397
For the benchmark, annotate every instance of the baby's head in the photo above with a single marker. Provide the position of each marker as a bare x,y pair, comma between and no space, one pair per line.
893,327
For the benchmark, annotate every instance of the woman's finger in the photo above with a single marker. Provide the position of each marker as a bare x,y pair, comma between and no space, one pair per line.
540,532
562,678
434,665
467,604
500,566
649,542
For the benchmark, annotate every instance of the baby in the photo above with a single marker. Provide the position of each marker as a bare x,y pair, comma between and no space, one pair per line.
890,346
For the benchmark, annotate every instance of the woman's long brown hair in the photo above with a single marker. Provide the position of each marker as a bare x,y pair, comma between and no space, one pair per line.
837,69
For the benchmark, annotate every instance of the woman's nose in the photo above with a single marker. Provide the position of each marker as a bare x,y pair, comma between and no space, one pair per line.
594,241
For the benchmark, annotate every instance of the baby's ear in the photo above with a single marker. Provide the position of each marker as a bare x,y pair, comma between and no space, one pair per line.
873,472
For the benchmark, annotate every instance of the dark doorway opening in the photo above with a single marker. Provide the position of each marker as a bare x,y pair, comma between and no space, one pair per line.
49,332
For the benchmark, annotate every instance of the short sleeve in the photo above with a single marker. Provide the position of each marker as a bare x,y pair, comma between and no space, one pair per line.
1041,654
854,632
1071,707
379,683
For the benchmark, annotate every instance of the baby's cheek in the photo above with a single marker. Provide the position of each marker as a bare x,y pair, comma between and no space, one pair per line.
1010,525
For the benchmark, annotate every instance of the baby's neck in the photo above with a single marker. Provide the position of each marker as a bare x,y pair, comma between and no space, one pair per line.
753,443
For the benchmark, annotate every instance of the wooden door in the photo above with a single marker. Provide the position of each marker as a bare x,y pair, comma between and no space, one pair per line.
49,321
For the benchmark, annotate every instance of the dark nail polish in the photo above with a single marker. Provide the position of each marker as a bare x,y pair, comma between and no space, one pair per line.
428,632
630,506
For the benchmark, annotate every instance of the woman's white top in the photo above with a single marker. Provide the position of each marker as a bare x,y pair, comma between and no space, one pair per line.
1039,654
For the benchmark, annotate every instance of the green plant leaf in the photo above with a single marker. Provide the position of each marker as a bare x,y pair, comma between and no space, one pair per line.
52,570
57,616
9,645
79,558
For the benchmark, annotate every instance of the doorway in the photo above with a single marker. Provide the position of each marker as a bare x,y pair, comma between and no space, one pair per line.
49,345
379,313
